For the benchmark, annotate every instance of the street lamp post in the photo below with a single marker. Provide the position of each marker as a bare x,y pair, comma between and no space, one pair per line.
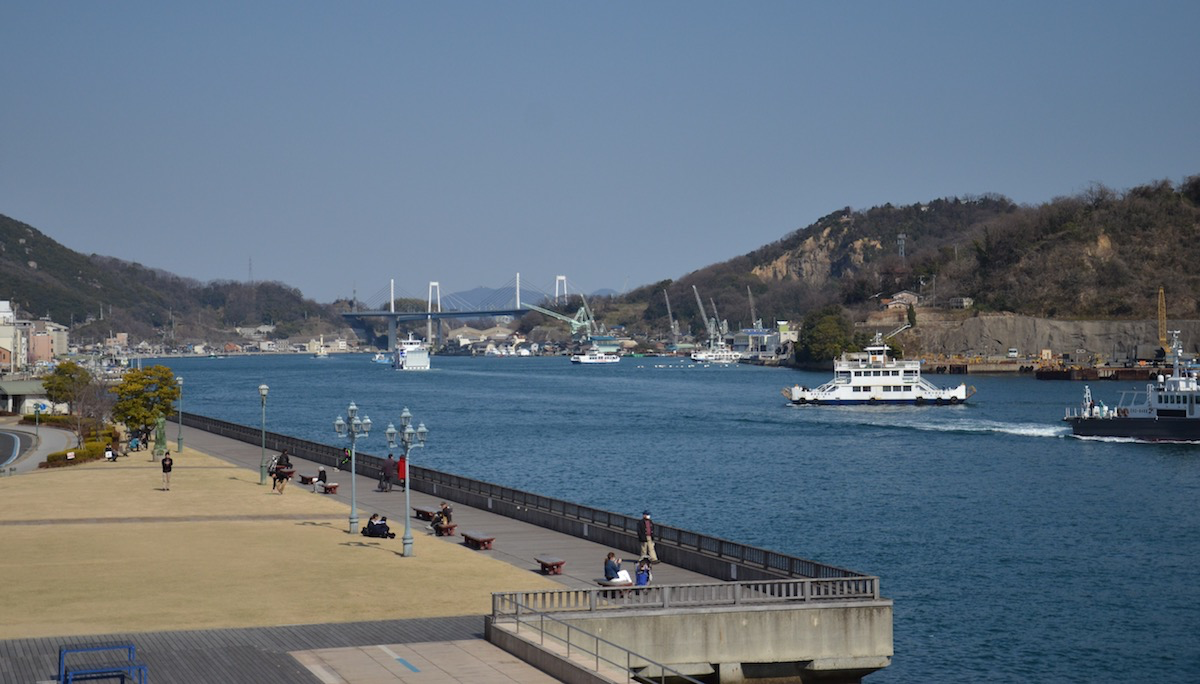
353,429
37,420
262,454
179,444
407,434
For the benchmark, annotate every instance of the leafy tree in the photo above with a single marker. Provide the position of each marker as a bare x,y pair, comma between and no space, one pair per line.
912,316
65,383
143,395
86,396
826,334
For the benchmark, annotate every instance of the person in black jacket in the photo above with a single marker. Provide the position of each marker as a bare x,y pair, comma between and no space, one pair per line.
646,537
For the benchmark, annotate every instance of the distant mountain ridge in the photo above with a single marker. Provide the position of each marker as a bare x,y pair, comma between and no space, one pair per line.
1098,255
97,295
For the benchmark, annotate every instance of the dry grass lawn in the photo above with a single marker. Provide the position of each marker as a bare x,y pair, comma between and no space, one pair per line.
100,548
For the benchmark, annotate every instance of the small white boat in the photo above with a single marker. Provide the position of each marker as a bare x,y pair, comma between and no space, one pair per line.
594,355
717,354
874,377
381,357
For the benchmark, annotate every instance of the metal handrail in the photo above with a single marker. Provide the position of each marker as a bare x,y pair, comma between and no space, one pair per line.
425,479
519,618
677,596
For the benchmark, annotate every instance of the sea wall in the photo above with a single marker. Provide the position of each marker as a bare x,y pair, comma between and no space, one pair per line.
994,334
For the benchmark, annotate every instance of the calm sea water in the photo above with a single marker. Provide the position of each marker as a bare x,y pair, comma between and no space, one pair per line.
1013,552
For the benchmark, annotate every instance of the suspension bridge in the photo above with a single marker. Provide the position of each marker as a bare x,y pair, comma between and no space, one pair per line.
507,300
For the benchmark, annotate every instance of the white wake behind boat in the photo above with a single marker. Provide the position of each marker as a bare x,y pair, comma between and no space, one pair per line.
874,377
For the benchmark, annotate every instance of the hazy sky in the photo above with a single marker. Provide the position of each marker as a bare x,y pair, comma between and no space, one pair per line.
339,144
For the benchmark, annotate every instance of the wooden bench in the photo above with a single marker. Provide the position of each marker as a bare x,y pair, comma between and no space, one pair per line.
92,669
307,479
446,529
425,512
478,540
619,589
330,488
550,564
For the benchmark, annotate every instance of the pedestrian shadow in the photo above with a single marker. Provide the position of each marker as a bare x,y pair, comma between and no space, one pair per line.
373,545
312,523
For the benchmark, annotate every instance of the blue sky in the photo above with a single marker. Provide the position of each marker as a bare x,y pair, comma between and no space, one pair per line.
337,145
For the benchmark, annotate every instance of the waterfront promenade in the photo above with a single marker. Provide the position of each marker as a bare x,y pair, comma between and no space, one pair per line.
221,580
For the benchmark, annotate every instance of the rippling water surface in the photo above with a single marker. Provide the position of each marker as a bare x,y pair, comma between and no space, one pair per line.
1013,552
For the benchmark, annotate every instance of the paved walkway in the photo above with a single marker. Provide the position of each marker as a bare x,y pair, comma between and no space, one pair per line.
449,649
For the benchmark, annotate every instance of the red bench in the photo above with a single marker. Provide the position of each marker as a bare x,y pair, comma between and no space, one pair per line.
330,488
550,564
478,540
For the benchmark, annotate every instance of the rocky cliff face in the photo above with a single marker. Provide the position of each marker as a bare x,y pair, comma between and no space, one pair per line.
995,334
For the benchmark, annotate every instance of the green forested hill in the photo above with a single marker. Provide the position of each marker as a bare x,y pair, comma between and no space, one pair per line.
45,278
1101,254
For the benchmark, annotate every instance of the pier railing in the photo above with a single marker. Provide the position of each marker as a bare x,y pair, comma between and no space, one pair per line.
582,647
713,556
512,604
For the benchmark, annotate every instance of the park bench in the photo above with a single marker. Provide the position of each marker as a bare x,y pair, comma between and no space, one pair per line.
425,512
90,668
330,488
551,565
307,479
478,540
445,529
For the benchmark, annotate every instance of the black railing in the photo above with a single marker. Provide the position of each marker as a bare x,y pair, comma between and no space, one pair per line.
712,556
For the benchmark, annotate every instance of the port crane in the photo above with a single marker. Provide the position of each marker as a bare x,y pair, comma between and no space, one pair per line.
710,324
583,321
671,318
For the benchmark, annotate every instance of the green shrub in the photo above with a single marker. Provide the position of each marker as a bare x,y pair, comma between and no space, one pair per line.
90,451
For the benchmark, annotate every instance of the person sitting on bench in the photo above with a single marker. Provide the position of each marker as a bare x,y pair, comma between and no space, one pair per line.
613,574
442,517
320,480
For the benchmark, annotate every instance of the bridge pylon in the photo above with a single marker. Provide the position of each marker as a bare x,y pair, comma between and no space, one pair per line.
561,279
433,286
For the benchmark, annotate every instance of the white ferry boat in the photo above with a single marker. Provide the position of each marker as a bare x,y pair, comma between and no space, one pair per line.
717,354
594,355
874,377
410,354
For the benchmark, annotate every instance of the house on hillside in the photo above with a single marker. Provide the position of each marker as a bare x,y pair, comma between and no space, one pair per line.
901,300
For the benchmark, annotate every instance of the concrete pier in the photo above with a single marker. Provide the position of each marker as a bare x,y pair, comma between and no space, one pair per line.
835,641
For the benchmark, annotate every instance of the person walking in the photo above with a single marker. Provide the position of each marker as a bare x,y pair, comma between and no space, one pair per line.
283,471
385,474
646,537
167,464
